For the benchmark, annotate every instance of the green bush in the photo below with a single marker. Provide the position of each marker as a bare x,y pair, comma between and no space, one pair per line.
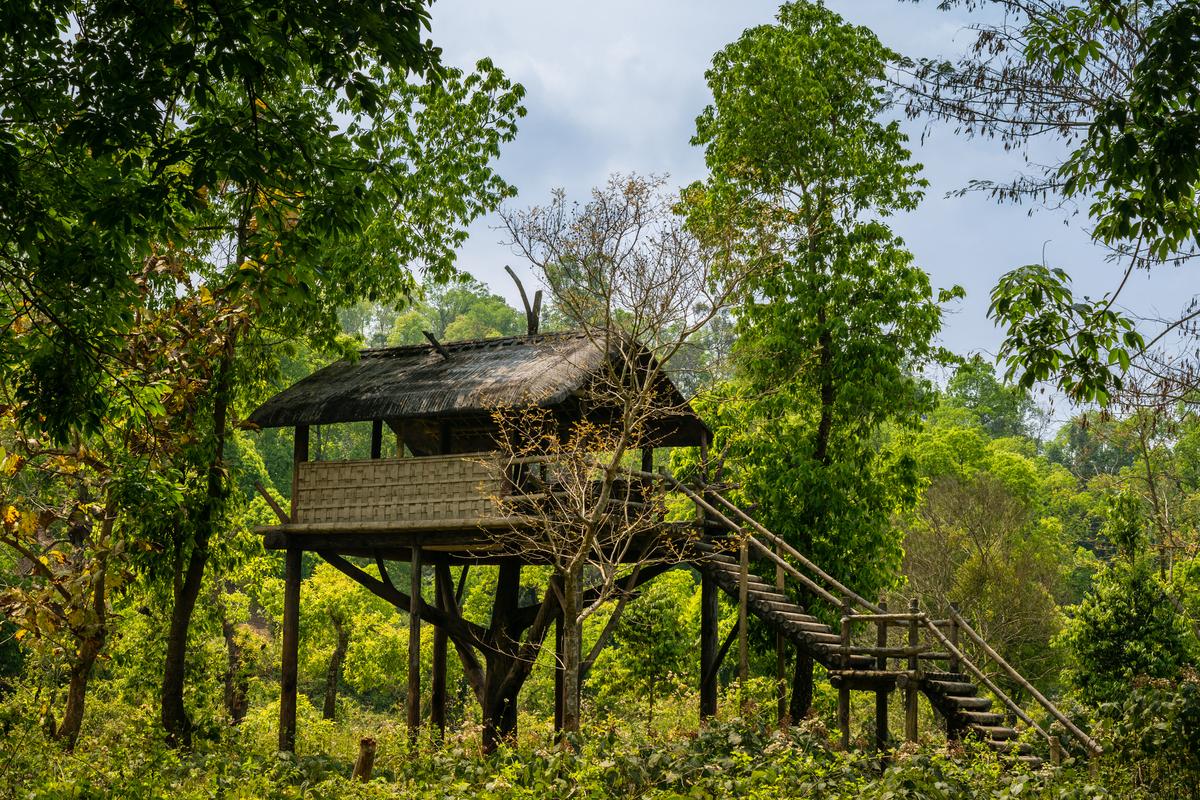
1125,628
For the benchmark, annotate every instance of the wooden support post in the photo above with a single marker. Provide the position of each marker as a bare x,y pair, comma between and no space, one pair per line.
414,646
843,685
376,438
710,614
910,690
780,651
437,681
559,677
881,695
709,617
743,622
953,731
291,641
299,455
647,459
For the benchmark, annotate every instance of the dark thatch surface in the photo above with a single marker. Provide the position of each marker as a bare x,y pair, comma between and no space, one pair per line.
398,383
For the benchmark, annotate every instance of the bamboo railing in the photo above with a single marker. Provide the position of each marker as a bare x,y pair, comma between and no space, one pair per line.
857,609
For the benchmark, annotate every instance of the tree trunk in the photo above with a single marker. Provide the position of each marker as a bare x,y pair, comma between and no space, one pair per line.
237,687
572,649
499,712
174,715
81,671
802,686
333,675
89,649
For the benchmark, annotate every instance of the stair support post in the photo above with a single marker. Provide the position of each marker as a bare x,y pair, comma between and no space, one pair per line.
953,729
709,617
743,623
844,685
780,651
881,695
910,690
413,701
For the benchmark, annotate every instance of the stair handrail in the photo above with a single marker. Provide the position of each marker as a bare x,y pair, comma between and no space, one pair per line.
978,673
1088,742
848,594
845,591
766,551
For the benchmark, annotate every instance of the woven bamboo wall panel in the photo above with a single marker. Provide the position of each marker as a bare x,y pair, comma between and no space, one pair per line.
394,490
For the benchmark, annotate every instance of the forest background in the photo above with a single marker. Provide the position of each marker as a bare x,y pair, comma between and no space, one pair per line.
206,205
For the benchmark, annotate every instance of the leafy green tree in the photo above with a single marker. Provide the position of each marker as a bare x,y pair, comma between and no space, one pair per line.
837,320
1124,629
653,645
460,309
1116,81
268,164
986,537
1002,410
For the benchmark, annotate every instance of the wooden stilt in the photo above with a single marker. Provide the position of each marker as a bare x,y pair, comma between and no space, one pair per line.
414,646
780,650
376,438
559,676
743,622
437,681
291,640
881,695
709,616
844,686
910,691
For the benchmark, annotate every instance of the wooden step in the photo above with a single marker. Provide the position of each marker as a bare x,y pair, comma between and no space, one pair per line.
808,627
1016,748
972,703
960,688
995,732
981,717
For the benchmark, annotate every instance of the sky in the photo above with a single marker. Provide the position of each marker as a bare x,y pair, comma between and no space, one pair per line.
616,87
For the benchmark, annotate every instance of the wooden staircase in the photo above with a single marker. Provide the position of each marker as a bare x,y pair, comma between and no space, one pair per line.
953,695
956,695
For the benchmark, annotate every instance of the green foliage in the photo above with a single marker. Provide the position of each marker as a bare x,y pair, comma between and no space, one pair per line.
1124,629
1001,410
462,309
1156,726
1085,346
1140,163
837,319
652,654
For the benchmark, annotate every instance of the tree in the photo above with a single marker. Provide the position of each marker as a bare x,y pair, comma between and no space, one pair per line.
628,274
285,162
1002,410
1116,81
1125,628
836,321
460,309
986,538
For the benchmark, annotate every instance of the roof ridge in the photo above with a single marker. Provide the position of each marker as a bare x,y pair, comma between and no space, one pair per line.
469,344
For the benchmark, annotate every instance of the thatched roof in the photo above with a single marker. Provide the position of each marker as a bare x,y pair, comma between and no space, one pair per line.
416,381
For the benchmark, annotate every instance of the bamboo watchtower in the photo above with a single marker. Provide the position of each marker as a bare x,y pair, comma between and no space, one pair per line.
425,496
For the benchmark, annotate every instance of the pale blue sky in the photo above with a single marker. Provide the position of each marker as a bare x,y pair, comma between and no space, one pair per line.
616,86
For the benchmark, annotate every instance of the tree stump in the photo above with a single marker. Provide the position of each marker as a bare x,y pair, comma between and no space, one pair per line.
365,762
